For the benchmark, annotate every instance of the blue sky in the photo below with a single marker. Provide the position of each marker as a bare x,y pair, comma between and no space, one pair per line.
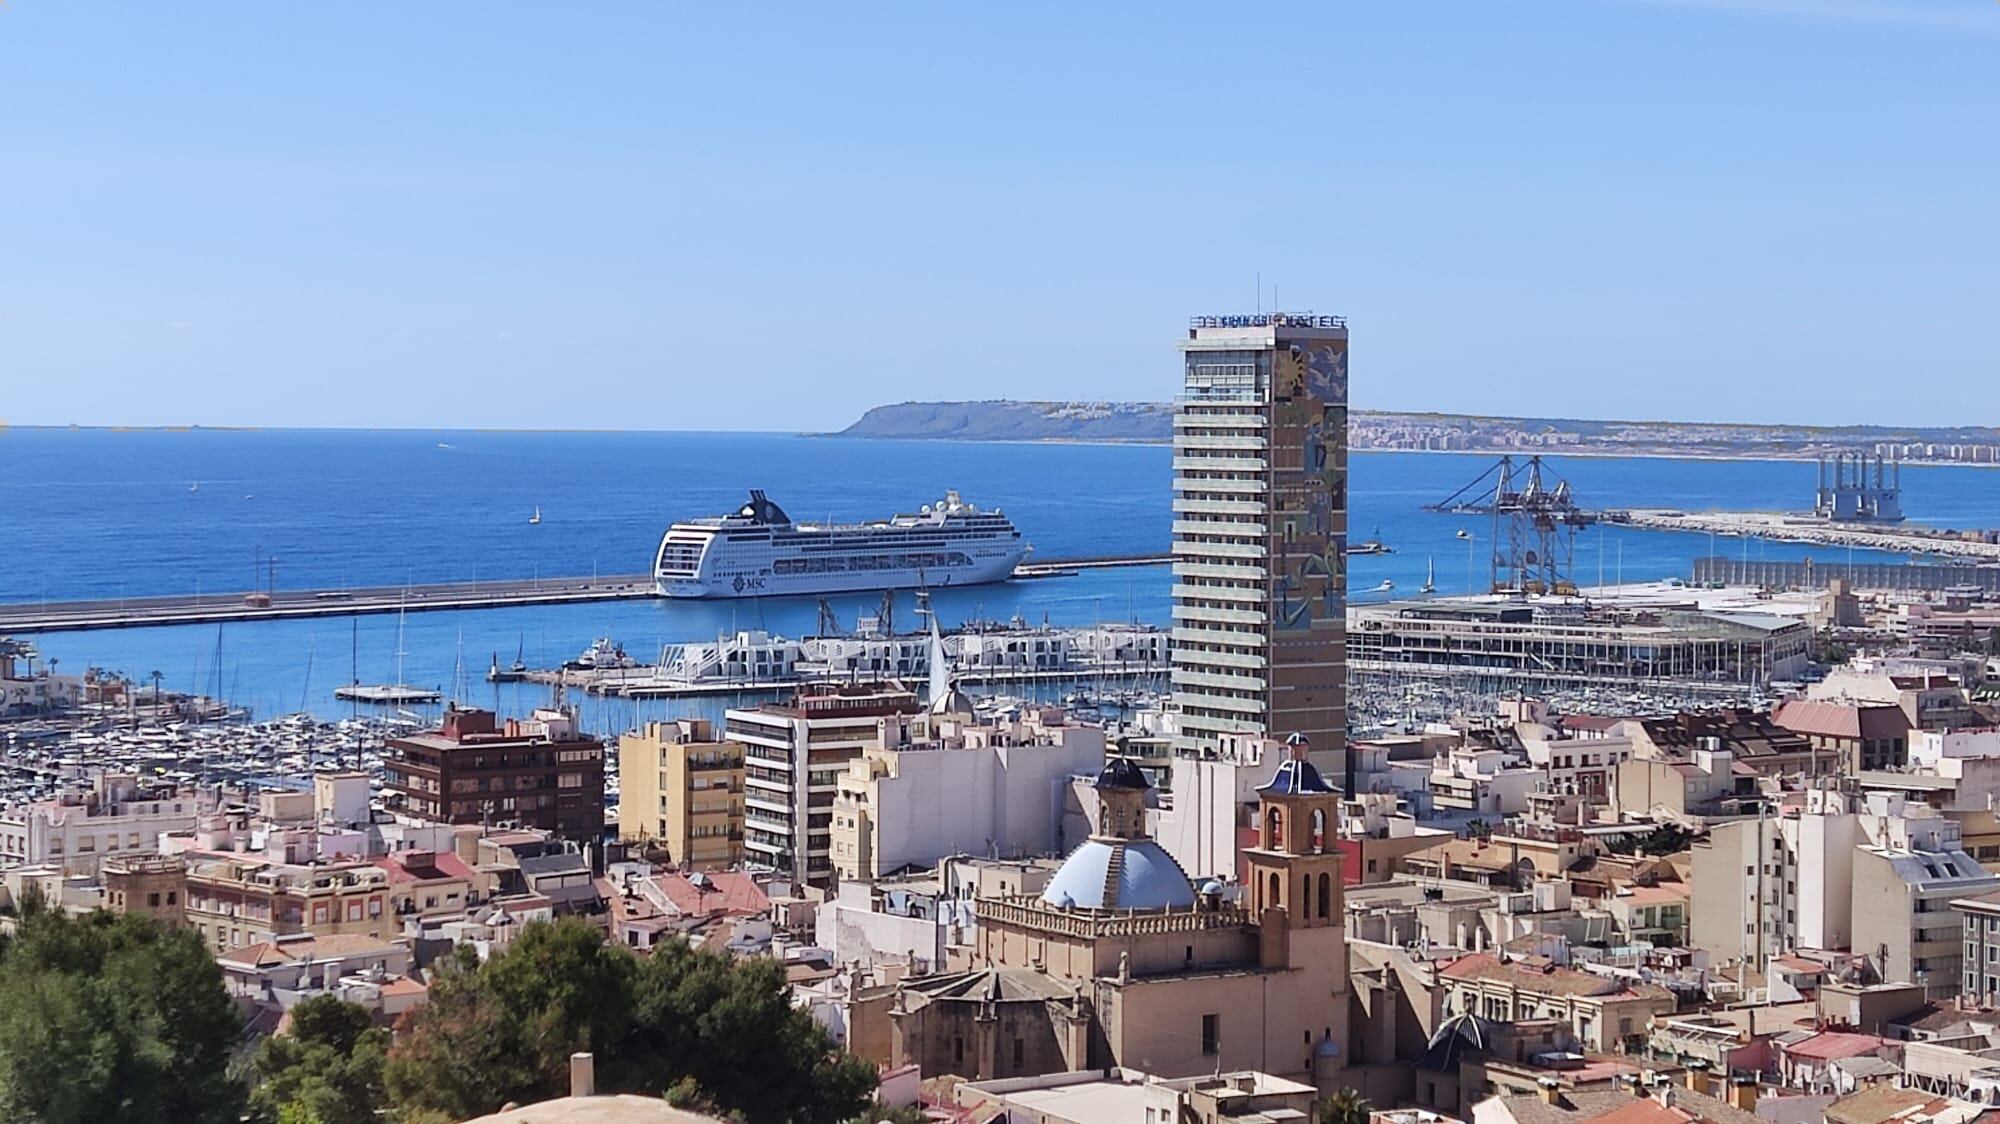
771,217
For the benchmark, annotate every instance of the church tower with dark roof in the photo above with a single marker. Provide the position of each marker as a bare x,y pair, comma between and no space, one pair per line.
1292,880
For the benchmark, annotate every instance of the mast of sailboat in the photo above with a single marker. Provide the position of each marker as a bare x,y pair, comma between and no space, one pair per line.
354,666
401,609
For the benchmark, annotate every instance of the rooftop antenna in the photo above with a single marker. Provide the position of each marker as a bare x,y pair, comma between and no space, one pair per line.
1260,292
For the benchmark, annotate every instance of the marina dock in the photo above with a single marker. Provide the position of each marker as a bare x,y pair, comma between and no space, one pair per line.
281,604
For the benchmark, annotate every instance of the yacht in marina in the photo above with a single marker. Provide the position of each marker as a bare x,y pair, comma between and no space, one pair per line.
758,551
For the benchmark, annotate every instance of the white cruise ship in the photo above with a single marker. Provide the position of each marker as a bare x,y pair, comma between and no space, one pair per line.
757,551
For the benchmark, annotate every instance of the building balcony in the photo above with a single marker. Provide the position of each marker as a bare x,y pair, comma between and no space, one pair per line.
1219,616
1252,595
1198,418
1188,677
1251,508
1247,661
1242,572
1196,697
1245,444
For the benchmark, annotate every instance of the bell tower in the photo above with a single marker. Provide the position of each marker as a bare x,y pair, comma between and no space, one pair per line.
1294,871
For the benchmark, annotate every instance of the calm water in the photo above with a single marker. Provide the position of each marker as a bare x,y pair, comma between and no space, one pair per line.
109,514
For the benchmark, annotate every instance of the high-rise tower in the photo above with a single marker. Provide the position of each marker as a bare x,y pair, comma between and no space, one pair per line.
1260,532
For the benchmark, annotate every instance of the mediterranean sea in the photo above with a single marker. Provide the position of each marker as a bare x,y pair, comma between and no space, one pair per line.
106,513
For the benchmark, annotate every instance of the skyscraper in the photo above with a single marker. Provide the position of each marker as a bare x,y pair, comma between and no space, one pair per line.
1260,532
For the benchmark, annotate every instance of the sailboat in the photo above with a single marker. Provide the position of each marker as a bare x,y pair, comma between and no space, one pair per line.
398,693
514,673
536,517
1430,585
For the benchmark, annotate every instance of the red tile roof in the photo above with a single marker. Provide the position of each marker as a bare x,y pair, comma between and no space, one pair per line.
1851,721
442,864
1831,1044
733,892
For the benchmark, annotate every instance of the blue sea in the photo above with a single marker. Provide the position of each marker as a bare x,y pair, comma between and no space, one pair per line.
100,513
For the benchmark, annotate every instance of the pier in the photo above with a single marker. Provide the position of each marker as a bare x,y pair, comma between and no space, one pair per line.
1782,527
282,604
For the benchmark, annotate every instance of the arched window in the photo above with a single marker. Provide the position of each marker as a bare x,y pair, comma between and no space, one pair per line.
1306,896
1274,888
1325,893
1319,830
1273,828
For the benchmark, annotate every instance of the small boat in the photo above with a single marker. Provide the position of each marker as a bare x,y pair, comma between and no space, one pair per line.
603,655
1373,545
1464,534
443,445
195,487
1430,585
1386,586
536,517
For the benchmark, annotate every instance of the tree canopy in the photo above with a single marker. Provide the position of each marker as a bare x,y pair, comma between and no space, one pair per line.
327,1069
682,1019
113,1018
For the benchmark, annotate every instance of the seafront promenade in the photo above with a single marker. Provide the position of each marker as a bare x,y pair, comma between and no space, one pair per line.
280,604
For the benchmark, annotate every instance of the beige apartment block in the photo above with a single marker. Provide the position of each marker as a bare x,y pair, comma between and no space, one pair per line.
680,788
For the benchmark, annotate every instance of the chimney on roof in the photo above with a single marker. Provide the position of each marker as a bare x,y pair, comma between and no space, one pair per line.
1697,1076
582,1074
1550,1091
1743,1093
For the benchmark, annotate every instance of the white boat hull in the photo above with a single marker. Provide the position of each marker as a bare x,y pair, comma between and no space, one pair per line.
762,582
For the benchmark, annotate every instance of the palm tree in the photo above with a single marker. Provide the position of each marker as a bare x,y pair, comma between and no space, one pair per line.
1345,1107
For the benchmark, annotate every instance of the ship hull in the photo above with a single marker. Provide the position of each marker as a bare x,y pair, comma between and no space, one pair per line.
984,568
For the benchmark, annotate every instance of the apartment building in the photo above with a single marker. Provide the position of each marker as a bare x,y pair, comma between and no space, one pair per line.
1904,919
119,814
236,900
945,782
1768,886
1260,532
793,755
538,772
1606,1015
680,788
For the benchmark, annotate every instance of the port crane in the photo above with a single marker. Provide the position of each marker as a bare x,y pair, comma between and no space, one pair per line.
1535,522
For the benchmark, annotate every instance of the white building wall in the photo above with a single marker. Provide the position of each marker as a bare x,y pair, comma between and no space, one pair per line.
940,802
1825,845
1208,800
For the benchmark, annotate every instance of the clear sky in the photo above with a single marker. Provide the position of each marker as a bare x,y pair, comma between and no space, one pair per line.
759,216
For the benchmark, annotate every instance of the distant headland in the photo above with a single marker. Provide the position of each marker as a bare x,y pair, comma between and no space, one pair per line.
1152,423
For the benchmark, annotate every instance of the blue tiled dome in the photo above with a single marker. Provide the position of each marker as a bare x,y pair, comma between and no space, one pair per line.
1148,877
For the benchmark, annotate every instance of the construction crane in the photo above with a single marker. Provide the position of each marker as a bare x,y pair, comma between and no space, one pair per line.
1535,521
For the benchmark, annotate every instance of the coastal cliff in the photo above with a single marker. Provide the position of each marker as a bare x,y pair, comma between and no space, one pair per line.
1000,420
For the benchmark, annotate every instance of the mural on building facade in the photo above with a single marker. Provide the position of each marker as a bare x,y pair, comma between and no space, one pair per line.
1309,498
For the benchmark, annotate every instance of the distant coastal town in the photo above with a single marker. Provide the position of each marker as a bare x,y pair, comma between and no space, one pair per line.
1372,430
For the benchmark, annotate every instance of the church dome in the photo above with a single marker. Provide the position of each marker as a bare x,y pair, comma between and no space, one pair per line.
1147,877
953,702
1120,772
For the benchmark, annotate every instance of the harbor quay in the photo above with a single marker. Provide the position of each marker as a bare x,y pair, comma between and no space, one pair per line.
281,604
1785,527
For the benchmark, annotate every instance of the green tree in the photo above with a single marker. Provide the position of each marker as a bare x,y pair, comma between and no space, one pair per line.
699,1014
1345,1106
113,1018
326,1070
680,1022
